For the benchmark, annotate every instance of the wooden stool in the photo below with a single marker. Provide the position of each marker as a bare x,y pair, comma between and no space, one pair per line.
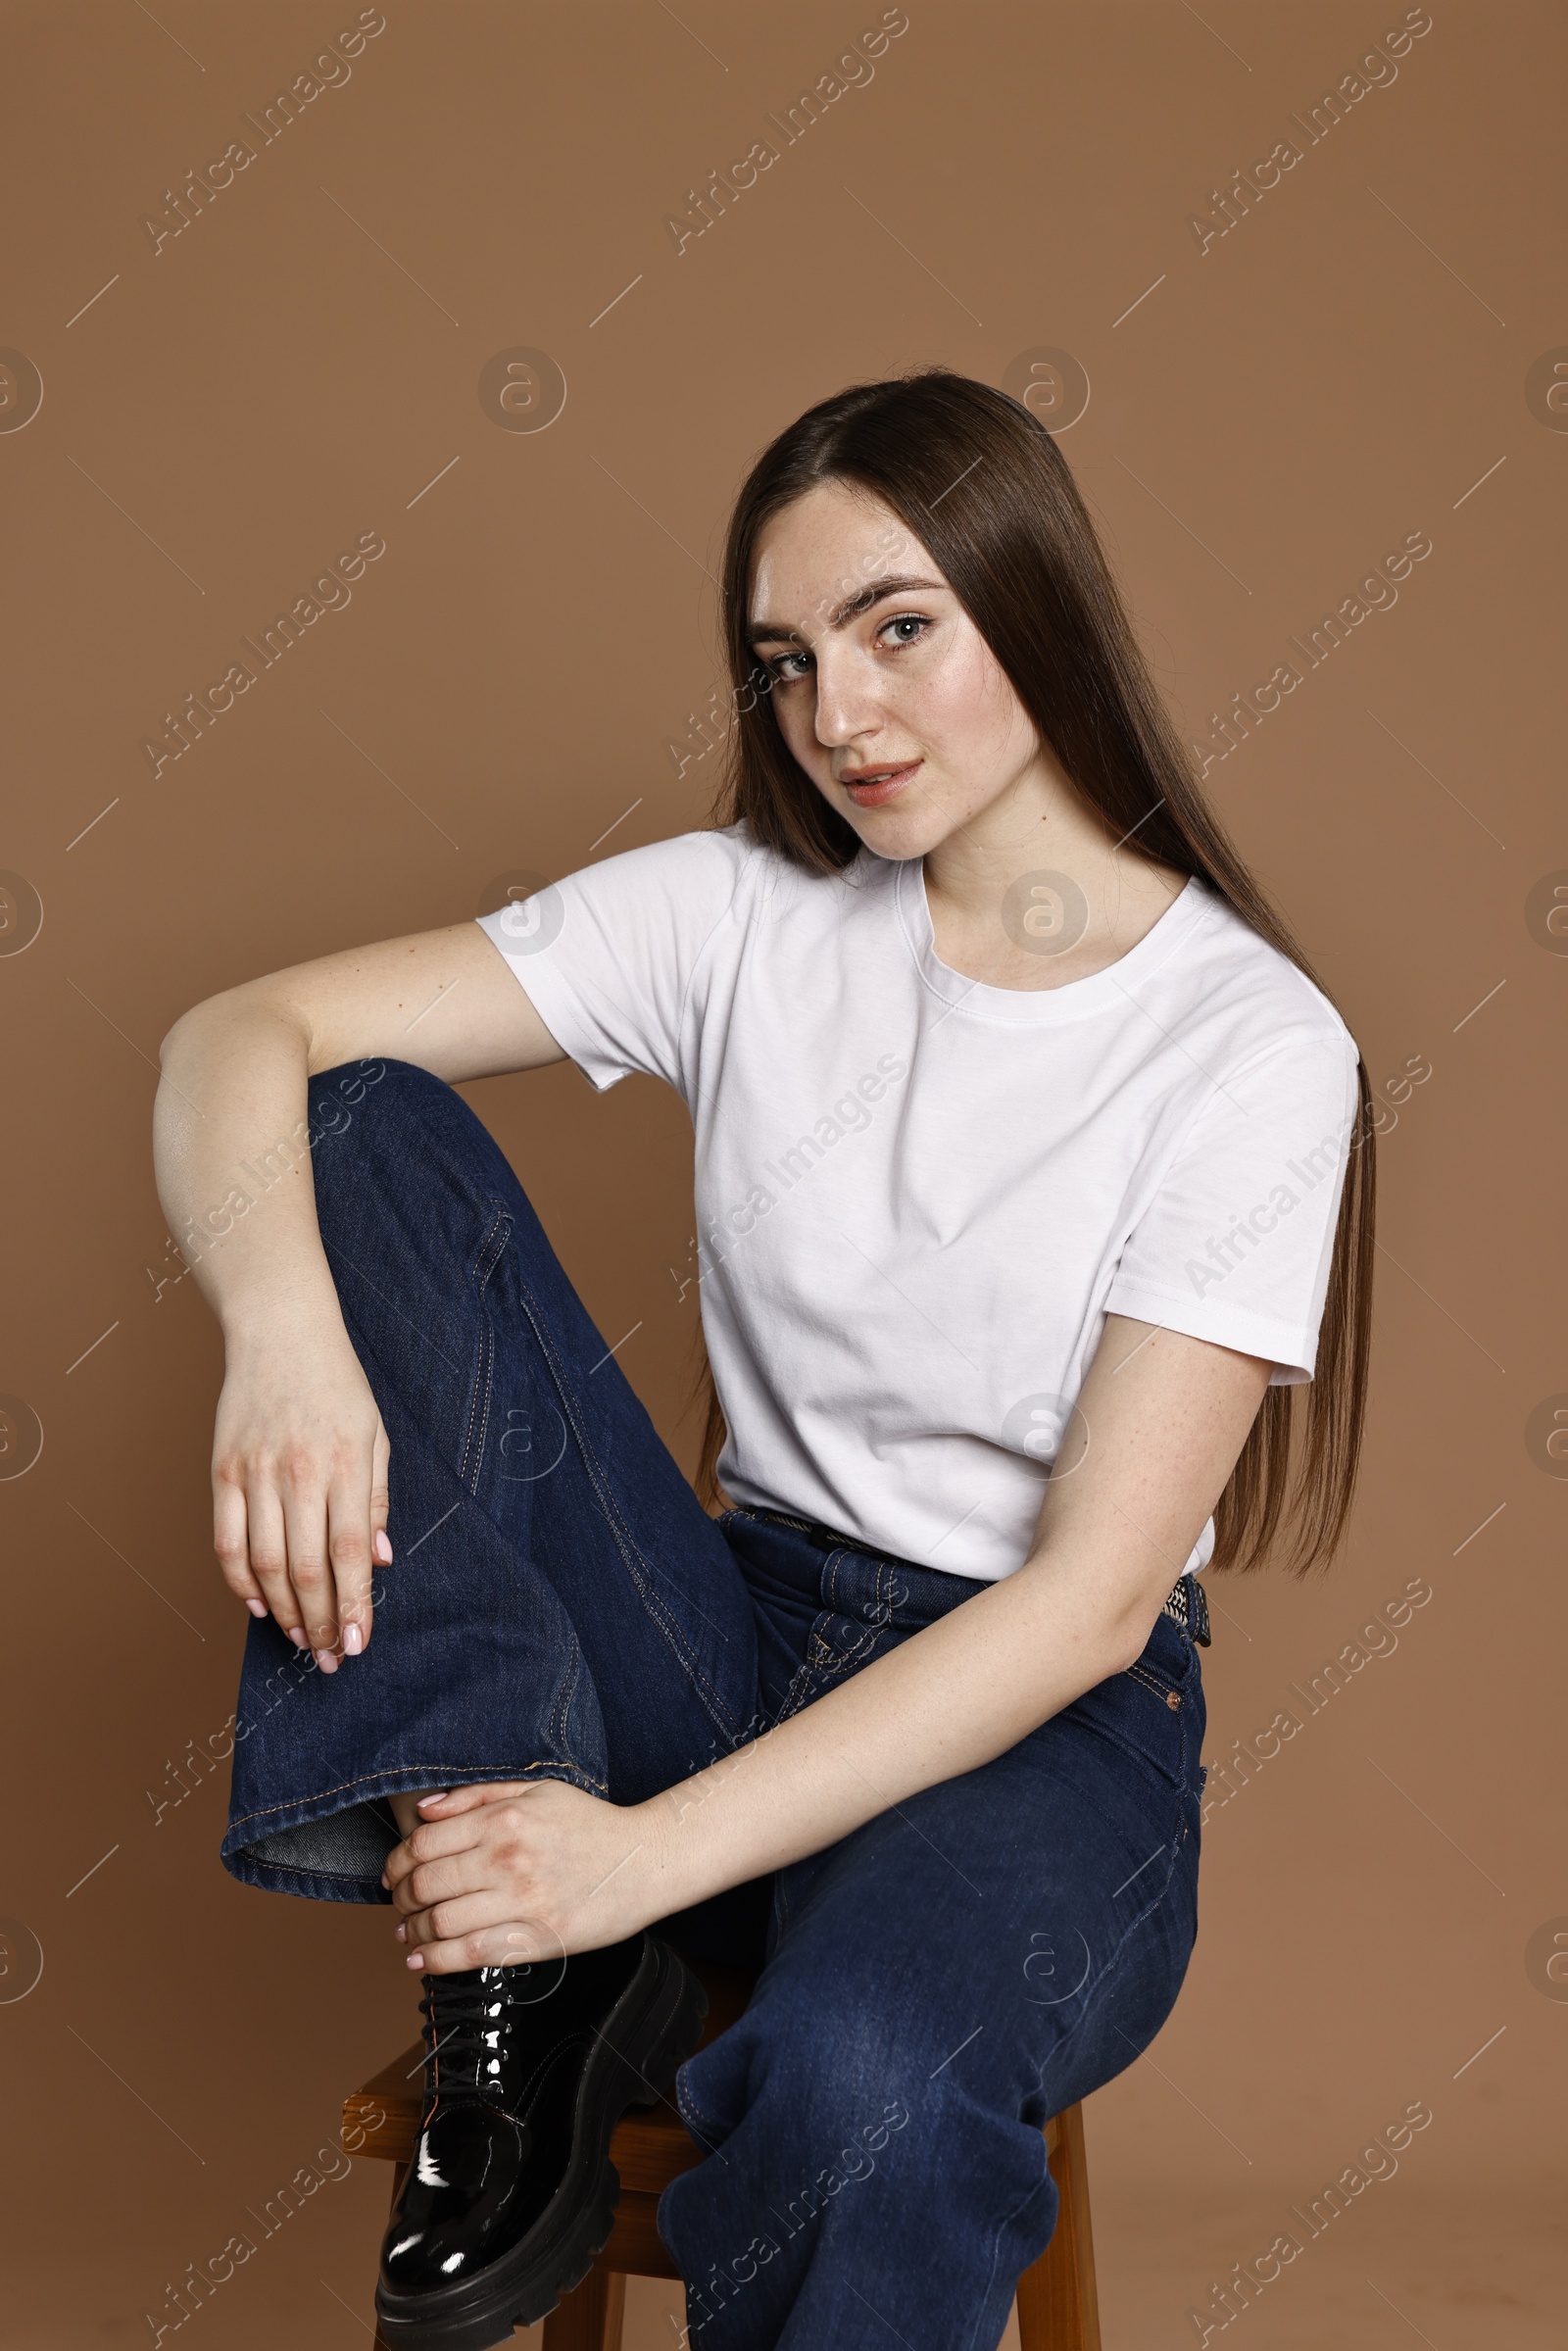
1058,2309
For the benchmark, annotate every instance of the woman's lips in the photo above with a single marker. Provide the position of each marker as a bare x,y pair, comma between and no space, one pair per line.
873,795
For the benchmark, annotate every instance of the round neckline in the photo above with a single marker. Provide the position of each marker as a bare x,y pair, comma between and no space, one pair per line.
1042,1006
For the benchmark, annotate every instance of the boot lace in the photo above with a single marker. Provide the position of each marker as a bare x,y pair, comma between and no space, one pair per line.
464,2036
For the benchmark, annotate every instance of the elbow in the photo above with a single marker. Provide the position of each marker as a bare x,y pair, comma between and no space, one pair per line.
1111,1616
1124,1654
1128,1635
179,1033
187,1031
212,1017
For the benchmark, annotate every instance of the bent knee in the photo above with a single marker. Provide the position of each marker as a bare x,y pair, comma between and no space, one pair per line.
382,1116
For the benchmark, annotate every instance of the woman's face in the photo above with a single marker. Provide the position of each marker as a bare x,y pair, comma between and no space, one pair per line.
884,689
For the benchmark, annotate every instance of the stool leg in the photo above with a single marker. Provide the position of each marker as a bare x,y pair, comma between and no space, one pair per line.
1059,2308
590,2318
400,2172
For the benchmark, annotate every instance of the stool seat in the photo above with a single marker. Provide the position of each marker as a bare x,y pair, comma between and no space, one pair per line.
1057,2309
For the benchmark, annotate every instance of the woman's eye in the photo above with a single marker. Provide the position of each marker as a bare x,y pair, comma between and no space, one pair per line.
782,674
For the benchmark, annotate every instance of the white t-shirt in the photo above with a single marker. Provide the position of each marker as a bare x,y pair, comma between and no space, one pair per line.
919,1196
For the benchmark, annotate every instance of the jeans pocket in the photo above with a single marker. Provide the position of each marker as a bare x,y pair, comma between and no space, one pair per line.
836,1647
800,1692
1147,1711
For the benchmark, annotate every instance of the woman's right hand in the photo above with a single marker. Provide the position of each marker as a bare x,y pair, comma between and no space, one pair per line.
300,1483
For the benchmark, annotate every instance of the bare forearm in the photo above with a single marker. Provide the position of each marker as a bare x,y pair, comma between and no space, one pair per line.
231,1136
254,1083
298,1451
496,1874
949,1698
1118,1523
233,1140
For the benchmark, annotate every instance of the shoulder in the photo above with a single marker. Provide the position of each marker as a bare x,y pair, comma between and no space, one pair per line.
702,876
1245,1040
710,855
1240,988
688,882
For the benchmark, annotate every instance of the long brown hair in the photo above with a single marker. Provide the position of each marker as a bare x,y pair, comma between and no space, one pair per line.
982,485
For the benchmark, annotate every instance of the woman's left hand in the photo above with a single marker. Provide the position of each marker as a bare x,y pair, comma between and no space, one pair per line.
523,1870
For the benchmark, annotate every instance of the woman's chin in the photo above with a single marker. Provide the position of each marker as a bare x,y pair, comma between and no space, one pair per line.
903,832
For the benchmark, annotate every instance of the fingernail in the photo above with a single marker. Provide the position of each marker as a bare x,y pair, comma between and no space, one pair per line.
352,1641
257,1608
327,1661
297,1636
386,1882
415,1961
381,1548
402,1934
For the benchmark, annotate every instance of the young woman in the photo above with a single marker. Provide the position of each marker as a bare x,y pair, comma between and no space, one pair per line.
1022,1129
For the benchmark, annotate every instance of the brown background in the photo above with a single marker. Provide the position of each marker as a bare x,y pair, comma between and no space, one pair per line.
1276,414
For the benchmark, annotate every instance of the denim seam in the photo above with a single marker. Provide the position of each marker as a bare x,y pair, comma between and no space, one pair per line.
1114,1958
472,1458
1113,1962
836,1660
1136,1755
366,1776
485,1260
1003,2226
826,1662
565,1695
1152,1775
1169,1846
284,1869
636,1565
688,2107
1184,1720
789,1705
1148,1679
840,1557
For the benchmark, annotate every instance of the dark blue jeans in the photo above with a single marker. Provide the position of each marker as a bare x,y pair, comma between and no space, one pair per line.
934,1985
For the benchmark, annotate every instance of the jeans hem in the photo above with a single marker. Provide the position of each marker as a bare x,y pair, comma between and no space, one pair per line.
271,1877
239,1855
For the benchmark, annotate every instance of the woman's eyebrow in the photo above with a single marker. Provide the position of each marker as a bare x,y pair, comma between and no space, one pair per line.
875,592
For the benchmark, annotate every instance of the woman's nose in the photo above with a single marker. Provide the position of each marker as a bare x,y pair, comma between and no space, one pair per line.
847,703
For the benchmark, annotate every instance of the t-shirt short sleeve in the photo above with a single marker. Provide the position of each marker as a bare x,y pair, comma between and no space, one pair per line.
608,956
1236,1242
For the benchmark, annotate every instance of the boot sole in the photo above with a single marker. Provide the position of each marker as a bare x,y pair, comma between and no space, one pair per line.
653,2027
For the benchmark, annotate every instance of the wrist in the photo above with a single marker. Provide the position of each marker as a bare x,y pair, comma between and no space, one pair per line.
670,1829
258,1315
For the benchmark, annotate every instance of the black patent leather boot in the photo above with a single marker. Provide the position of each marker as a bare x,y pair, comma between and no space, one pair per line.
511,2191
